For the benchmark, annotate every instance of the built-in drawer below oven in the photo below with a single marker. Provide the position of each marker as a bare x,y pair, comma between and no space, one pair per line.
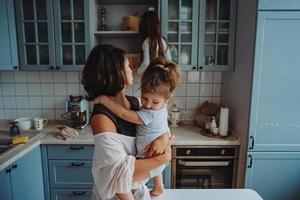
204,166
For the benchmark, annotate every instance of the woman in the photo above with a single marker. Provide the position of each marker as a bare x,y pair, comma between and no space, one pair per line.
154,45
115,170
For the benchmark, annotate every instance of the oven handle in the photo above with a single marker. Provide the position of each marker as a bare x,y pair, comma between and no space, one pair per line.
204,163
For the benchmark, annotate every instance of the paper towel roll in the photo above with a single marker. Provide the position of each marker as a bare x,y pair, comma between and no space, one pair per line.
224,116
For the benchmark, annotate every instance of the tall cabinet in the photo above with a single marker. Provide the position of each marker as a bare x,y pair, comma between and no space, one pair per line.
53,34
200,33
273,158
8,44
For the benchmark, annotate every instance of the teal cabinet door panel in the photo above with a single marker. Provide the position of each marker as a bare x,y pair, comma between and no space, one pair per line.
35,34
72,33
274,175
27,177
70,174
8,44
200,33
278,5
75,152
66,194
274,119
5,186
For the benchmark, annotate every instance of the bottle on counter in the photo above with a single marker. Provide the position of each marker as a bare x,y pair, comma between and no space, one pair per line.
213,126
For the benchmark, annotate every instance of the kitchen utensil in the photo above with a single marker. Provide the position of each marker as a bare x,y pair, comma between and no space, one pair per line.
24,123
39,123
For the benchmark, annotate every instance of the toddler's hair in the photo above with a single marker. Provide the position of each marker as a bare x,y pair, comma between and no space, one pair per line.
161,76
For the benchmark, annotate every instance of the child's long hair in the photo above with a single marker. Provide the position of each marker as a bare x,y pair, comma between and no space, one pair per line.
161,77
149,27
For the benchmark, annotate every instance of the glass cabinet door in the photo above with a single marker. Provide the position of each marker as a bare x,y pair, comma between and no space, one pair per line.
71,33
180,27
218,35
35,34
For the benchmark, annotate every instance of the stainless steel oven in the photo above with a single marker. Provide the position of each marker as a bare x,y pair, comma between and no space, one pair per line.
204,166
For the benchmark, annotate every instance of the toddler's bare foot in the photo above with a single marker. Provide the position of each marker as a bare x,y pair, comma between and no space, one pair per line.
157,190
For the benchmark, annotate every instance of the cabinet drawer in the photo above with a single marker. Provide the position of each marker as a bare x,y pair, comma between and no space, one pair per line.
279,5
78,152
70,174
67,194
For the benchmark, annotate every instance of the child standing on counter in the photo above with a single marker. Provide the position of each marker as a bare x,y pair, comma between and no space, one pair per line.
154,45
157,84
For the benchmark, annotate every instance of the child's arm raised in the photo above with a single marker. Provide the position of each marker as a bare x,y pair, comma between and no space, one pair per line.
118,110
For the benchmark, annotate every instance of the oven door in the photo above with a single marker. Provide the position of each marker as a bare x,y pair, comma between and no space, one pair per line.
206,173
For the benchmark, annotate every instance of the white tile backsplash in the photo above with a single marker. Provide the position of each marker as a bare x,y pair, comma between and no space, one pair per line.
34,89
43,94
33,77
21,89
46,77
59,77
20,77
8,89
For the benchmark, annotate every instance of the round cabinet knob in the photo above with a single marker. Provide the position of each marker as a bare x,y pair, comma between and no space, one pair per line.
57,68
223,152
200,67
16,67
194,68
51,68
188,152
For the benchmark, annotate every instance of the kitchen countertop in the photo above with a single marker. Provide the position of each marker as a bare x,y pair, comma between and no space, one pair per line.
188,134
209,194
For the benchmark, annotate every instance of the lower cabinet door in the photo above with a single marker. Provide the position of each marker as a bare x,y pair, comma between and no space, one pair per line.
70,174
274,175
67,194
27,177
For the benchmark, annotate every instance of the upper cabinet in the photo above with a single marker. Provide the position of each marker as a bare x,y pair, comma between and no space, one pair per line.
200,33
108,25
8,44
53,34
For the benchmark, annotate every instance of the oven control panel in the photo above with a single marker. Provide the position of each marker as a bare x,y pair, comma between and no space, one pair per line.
205,152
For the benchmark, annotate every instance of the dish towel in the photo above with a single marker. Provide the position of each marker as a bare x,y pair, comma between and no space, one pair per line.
65,132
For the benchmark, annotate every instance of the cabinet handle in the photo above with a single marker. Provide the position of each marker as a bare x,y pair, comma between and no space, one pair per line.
57,68
51,68
76,148
79,193
200,67
7,170
77,164
250,161
252,142
14,166
16,67
194,67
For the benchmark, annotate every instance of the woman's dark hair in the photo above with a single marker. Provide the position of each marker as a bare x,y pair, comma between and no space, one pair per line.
104,71
161,76
149,27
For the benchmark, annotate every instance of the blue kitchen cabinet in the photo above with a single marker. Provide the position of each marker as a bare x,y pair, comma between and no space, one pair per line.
68,171
5,188
200,33
274,175
53,34
273,159
23,180
8,44
274,118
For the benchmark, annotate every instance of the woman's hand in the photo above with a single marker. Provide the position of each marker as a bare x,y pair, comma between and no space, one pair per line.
158,146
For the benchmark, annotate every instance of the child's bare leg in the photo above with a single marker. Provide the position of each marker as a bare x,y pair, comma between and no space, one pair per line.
125,196
158,188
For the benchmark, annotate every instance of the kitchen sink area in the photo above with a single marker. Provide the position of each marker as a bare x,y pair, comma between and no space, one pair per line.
6,139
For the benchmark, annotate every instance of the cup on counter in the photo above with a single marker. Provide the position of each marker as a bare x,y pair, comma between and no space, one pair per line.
39,123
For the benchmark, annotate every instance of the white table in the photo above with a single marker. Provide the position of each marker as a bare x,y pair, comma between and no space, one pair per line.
209,194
